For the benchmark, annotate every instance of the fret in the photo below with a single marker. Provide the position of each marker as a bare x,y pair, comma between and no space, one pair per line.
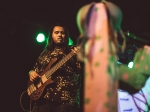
58,65
35,90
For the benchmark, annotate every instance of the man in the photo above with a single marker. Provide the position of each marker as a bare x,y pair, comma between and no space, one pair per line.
63,94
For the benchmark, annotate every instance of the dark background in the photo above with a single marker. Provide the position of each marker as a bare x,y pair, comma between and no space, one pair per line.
21,20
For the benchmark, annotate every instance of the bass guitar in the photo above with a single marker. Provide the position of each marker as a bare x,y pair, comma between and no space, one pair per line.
35,90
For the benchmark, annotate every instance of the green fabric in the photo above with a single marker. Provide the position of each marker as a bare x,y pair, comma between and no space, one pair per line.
140,72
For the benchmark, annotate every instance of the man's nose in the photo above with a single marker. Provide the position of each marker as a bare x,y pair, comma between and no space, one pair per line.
59,34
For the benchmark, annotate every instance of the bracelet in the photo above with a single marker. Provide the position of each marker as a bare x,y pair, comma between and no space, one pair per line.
30,71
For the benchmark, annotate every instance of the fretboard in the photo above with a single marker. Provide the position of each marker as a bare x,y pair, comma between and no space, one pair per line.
58,65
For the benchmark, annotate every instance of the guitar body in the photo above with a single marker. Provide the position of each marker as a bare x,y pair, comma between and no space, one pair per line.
35,89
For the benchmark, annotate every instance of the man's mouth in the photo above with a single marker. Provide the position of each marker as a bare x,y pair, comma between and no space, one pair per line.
59,38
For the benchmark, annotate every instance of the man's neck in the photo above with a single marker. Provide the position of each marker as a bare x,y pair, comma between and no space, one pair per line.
59,45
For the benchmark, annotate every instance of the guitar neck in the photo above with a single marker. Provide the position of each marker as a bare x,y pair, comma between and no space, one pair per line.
36,90
58,65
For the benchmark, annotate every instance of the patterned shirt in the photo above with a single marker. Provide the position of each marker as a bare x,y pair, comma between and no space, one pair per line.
66,86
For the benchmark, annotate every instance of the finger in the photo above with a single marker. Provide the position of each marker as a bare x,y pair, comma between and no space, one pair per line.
78,47
31,79
73,51
32,76
35,76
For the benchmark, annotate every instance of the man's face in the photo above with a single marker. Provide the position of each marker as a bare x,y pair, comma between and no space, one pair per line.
58,34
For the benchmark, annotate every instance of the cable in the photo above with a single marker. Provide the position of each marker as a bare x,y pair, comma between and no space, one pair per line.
22,106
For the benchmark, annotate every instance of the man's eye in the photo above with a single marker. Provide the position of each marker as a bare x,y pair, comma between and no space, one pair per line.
62,32
56,32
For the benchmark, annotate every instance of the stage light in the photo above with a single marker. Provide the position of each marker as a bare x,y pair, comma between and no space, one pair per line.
128,55
70,42
130,65
40,37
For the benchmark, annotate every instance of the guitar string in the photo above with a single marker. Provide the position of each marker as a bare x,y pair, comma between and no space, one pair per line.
53,69
59,64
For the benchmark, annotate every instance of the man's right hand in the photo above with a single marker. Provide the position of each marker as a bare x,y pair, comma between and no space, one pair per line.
33,75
